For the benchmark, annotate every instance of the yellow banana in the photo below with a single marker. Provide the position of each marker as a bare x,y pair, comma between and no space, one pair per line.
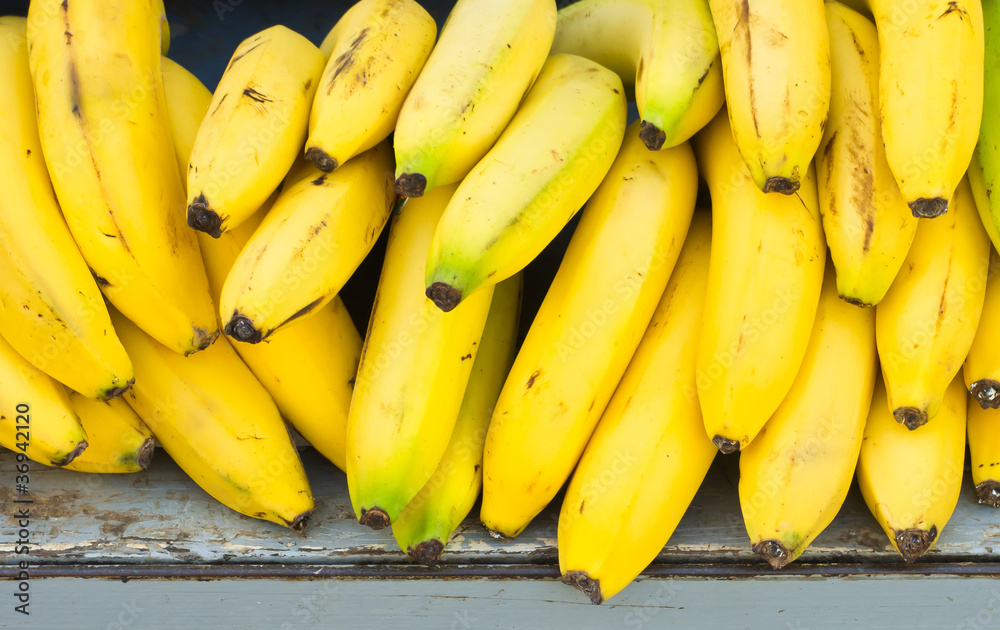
665,51
776,67
414,368
118,440
309,368
542,169
911,479
487,57
187,103
164,29
247,143
767,266
926,323
376,52
930,94
36,418
220,426
984,451
311,241
867,223
592,318
795,475
649,453
982,365
106,138
427,521
51,310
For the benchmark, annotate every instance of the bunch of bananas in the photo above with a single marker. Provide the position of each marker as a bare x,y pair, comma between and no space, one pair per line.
172,258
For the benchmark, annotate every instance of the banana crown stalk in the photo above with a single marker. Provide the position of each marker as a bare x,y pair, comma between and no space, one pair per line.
375,52
666,53
255,126
487,56
544,167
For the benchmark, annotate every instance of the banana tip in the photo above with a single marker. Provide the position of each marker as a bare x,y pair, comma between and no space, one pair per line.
856,302
910,417
202,339
427,552
986,392
590,587
496,534
913,543
145,454
115,392
321,159
80,447
924,208
725,445
411,185
299,523
781,185
988,493
444,296
651,136
776,554
242,329
203,218
376,518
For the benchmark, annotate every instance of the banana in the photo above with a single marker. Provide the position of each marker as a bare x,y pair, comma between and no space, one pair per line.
427,521
649,453
926,324
984,451
982,366
106,139
868,226
776,70
415,366
911,479
309,368
985,167
487,57
665,51
795,475
592,318
36,418
118,440
220,426
547,163
930,94
377,49
768,257
247,143
311,241
164,29
187,103
51,310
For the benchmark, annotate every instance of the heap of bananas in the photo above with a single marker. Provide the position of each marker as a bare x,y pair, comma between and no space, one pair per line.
171,258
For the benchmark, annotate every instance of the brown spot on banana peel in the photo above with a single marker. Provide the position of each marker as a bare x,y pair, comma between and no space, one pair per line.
80,447
986,392
924,208
744,19
725,445
305,310
913,543
444,296
244,54
376,518
910,417
531,379
590,587
115,392
957,10
201,217
221,101
202,339
782,185
988,493
254,95
856,302
427,552
144,456
774,552
321,159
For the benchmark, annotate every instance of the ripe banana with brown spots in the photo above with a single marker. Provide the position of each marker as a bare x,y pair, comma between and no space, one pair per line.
376,51
776,67
105,133
255,126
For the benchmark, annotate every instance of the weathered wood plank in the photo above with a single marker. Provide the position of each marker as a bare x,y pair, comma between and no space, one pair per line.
161,516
